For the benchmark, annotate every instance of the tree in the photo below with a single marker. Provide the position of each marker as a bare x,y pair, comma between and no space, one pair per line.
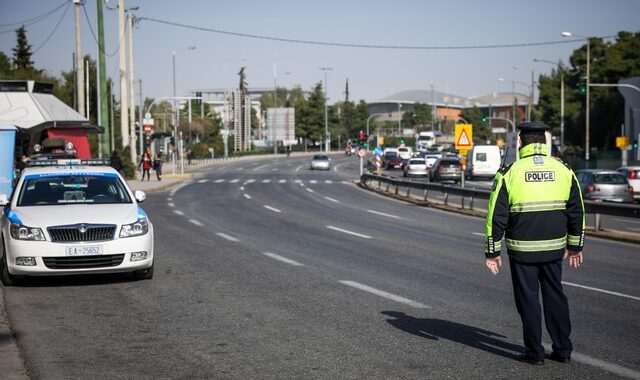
310,116
481,131
22,51
5,66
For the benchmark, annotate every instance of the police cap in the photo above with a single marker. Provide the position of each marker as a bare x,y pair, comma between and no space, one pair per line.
533,127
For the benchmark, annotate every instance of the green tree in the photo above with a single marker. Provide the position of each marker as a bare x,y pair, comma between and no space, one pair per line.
22,52
481,131
5,66
310,115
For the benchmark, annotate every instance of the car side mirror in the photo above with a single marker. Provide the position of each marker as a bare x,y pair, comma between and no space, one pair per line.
140,196
4,199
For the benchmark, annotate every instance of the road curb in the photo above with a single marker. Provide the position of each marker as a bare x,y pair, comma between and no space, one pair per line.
603,234
12,367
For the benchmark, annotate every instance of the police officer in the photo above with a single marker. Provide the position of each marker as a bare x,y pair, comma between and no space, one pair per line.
537,205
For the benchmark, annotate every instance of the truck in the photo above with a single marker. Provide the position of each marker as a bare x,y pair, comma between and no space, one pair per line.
425,140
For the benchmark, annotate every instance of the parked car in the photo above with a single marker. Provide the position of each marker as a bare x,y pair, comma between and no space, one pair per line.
483,161
415,167
604,185
73,217
320,162
632,173
391,160
446,169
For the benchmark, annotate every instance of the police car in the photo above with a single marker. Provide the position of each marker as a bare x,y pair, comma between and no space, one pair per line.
72,216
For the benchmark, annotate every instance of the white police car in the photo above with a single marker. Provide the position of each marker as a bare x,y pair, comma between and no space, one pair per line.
72,216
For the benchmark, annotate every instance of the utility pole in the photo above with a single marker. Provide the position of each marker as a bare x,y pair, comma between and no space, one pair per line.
79,61
113,118
87,104
124,91
103,105
140,135
326,109
132,89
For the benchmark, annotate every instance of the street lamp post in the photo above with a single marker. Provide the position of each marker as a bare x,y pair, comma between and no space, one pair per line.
326,110
586,137
561,98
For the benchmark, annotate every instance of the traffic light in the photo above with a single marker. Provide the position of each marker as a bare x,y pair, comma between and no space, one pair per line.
635,144
582,84
484,119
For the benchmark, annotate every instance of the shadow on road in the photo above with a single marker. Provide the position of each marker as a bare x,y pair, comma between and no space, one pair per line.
436,329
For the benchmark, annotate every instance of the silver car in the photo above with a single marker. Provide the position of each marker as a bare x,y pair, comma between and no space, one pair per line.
320,162
604,185
415,167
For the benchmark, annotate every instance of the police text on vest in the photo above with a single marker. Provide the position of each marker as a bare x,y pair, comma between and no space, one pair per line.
539,176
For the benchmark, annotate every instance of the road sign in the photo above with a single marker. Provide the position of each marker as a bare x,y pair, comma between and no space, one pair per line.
378,151
361,152
147,128
378,162
622,142
464,138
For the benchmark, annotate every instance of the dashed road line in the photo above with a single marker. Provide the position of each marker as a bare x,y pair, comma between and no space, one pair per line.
178,212
297,181
219,180
171,204
349,232
313,181
310,190
601,290
328,181
478,233
247,196
271,208
332,200
266,180
283,259
196,222
227,237
249,181
383,294
169,199
282,181
260,167
384,214
299,167
236,180
203,180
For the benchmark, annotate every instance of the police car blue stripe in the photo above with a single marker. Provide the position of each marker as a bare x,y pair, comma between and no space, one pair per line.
12,216
71,174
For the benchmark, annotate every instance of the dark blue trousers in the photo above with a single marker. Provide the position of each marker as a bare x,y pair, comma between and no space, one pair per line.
527,280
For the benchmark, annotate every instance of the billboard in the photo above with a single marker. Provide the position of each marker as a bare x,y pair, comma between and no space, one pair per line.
281,125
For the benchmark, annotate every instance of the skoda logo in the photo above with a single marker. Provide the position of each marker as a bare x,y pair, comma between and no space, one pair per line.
82,228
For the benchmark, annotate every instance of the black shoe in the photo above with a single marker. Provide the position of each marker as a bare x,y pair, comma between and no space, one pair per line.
559,358
530,360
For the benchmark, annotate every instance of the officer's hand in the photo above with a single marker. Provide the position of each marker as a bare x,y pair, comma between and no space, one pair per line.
575,259
494,264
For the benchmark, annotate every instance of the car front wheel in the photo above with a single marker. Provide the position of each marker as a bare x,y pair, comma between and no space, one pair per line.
7,278
144,274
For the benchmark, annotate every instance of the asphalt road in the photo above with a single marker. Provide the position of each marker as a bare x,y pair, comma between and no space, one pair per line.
266,269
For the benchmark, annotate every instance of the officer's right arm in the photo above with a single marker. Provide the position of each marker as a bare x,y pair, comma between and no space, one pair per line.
497,217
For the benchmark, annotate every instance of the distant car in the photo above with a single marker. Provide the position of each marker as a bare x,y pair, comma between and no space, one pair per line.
320,162
446,169
392,160
431,159
405,152
604,185
483,161
632,173
415,167
73,217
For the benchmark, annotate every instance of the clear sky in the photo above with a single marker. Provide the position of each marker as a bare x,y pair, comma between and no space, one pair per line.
372,73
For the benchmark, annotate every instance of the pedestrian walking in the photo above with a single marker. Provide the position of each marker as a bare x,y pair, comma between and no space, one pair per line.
146,164
157,165
536,204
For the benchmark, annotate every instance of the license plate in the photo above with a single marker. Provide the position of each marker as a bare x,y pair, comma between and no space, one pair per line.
85,250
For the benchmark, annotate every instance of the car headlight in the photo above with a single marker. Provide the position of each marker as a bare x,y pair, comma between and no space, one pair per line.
138,228
22,232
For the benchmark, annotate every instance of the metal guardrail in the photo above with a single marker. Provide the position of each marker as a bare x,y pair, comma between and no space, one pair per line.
591,207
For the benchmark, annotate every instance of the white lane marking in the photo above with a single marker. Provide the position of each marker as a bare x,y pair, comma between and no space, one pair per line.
282,181
283,259
219,180
601,290
235,180
203,181
384,294
335,168
250,181
227,237
266,180
384,214
196,222
332,200
299,167
247,196
346,182
310,190
328,181
171,204
609,367
271,208
241,188
348,232
260,167
478,233
297,181
626,220
313,181
169,199
178,212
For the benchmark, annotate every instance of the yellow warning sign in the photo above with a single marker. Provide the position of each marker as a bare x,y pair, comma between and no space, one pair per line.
464,136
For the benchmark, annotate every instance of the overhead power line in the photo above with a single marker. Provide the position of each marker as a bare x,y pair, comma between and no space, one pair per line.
53,30
37,18
86,16
363,46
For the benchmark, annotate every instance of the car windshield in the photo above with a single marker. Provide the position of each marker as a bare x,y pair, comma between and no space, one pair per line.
609,179
391,154
318,157
417,161
56,189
